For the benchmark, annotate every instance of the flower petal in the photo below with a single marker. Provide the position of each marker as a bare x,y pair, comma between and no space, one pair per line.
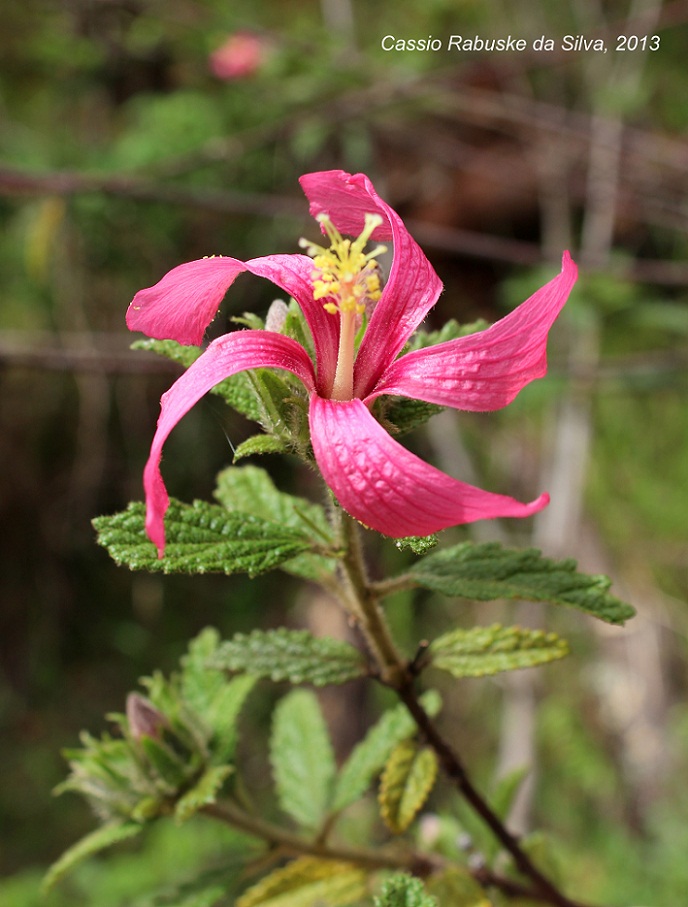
486,370
293,274
388,488
224,357
184,302
412,287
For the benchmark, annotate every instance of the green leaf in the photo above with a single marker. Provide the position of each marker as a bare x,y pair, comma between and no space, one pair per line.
170,349
259,444
400,415
205,791
201,538
457,888
250,489
213,698
406,782
481,651
404,890
302,759
307,882
293,655
487,571
369,756
418,544
97,840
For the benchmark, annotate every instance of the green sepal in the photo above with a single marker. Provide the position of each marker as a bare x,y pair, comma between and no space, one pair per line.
488,571
302,758
404,890
204,792
258,445
250,489
405,784
370,755
201,538
93,843
483,651
293,655
307,882
167,765
455,887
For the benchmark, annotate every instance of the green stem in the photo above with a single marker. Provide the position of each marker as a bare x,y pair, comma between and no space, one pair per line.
419,864
362,603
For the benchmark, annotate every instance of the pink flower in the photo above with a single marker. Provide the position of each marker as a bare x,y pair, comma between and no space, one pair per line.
241,56
375,479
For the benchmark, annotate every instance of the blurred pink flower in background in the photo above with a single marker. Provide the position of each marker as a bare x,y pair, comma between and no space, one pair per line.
240,57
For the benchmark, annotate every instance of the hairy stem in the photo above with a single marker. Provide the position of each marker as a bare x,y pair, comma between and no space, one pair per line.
419,864
362,603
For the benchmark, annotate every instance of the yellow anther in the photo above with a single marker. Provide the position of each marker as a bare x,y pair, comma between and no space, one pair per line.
343,273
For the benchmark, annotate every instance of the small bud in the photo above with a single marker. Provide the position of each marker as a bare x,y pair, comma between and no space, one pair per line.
144,719
277,316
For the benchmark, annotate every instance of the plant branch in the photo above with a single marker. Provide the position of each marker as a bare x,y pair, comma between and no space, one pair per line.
453,767
362,603
419,864
398,675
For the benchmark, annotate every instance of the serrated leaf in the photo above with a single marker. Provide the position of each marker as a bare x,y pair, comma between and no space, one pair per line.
258,445
170,349
293,655
307,882
406,782
482,651
204,791
302,759
250,489
369,756
223,714
404,890
93,843
457,888
418,544
487,571
201,538
216,700
400,415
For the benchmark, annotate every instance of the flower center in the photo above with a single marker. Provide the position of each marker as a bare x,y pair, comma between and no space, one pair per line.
348,278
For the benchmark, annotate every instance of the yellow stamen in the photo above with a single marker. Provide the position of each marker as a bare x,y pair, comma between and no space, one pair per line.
348,278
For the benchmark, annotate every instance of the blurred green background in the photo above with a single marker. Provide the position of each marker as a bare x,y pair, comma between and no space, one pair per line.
126,147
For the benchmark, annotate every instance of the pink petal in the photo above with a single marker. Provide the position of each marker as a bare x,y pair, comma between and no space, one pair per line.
181,305
224,357
412,287
293,274
388,488
484,371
